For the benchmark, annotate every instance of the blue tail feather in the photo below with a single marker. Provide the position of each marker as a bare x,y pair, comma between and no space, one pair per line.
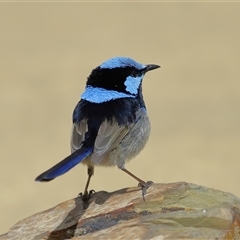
65,165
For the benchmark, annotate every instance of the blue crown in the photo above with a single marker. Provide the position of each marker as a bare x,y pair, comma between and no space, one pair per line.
121,62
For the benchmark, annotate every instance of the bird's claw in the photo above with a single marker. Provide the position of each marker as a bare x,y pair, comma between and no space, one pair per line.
144,187
85,197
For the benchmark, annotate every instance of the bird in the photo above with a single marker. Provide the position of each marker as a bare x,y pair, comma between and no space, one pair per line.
110,122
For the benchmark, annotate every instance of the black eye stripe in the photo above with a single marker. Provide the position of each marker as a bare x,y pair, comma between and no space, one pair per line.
112,79
136,73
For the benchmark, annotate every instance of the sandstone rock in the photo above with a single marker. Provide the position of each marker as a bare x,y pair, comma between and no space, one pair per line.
175,210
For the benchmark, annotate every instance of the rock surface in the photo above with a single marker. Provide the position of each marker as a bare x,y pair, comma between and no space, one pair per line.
170,211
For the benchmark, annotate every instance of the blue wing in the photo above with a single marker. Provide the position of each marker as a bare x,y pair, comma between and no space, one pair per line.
65,165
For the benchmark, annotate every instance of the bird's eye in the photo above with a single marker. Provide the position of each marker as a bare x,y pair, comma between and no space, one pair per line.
135,73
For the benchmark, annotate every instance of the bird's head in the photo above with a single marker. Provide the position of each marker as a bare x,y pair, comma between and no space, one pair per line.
119,74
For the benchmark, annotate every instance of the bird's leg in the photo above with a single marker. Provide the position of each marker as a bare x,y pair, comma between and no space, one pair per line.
132,175
86,195
90,173
144,185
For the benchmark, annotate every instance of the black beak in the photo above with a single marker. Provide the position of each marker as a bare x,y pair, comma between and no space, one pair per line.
150,67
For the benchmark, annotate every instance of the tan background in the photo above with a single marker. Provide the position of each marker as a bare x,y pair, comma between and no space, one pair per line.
48,50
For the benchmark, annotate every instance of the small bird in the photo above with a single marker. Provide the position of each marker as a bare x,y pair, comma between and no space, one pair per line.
110,122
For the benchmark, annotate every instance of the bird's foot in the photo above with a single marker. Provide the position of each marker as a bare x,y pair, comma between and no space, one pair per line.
85,197
144,187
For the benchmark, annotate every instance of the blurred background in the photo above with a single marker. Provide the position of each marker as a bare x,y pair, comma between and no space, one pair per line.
48,50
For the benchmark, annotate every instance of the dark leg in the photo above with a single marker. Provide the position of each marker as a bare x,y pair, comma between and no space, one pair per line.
90,173
144,185
86,195
132,175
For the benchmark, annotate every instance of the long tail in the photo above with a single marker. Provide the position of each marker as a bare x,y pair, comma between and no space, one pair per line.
65,165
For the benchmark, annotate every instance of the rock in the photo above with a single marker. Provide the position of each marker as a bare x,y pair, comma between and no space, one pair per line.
170,211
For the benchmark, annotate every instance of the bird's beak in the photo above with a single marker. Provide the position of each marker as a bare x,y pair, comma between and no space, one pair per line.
150,67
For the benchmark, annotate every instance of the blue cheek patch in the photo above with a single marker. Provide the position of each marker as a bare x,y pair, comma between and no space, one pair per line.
100,95
121,62
132,84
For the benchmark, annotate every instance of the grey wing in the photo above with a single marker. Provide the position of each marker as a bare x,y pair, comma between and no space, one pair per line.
78,135
109,136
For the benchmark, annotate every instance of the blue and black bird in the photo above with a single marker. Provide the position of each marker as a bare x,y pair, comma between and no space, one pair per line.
110,122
